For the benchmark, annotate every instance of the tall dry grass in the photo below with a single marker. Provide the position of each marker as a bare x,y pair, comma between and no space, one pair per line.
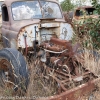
39,88
91,61
38,85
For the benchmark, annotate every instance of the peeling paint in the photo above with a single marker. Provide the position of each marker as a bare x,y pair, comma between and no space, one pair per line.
44,33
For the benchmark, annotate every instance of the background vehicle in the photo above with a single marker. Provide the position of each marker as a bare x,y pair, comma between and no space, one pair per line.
80,14
83,13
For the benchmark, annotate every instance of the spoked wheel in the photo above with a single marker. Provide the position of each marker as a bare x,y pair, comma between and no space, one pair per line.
13,70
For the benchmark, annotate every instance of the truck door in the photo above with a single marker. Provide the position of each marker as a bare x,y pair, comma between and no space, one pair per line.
5,26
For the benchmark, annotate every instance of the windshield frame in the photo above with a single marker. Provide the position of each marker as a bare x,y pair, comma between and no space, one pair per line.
40,9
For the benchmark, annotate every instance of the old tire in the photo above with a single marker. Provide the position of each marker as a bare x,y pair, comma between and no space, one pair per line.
13,69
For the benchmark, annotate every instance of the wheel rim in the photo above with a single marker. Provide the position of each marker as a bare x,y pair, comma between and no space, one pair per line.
6,73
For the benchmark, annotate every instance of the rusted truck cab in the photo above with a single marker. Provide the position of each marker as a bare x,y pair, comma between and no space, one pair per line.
26,24
1,1
27,21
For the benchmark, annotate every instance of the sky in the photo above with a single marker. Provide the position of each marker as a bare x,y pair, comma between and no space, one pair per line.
74,1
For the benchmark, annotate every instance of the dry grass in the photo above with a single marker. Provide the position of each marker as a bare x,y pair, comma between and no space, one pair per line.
39,88
92,62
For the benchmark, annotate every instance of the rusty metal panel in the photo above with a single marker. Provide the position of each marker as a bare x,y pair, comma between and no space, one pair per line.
71,83
44,34
66,31
73,94
30,32
49,25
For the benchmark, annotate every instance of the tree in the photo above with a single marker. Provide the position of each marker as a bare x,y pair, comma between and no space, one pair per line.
96,4
66,5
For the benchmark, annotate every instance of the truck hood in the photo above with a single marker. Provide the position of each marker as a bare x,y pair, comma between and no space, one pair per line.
20,24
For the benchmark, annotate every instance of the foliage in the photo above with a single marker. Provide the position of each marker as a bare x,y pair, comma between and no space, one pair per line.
95,26
96,5
66,5
88,30
90,33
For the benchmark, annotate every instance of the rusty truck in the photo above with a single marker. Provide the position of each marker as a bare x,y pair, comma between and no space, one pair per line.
79,14
37,30
83,13
1,1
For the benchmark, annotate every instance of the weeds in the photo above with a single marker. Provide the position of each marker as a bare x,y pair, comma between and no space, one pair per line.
39,86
